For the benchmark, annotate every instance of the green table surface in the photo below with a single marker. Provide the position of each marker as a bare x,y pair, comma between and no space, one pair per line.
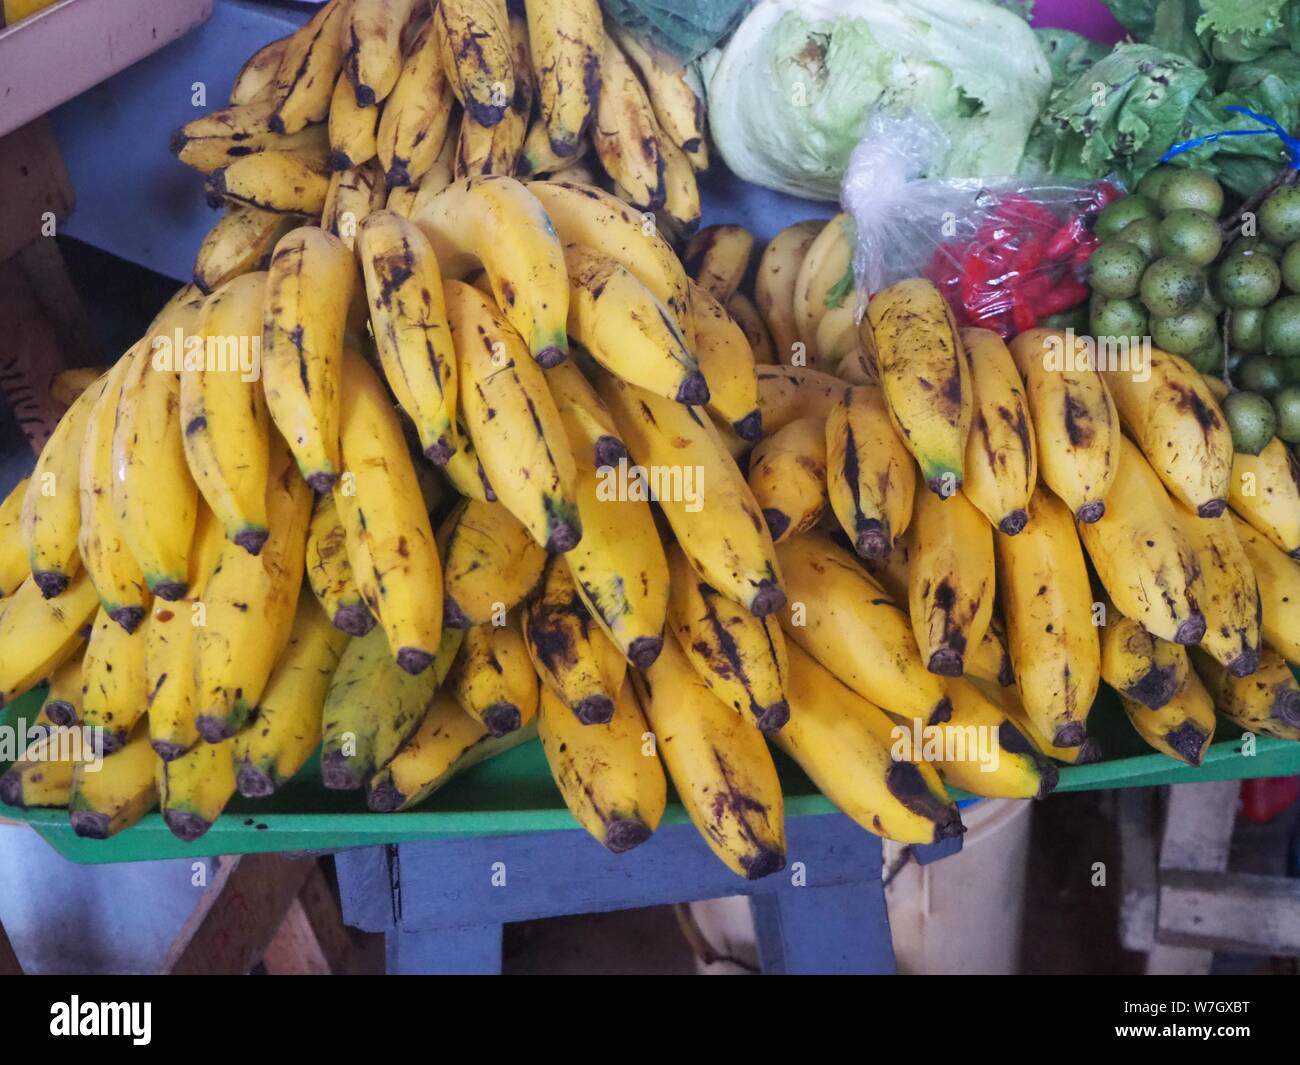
514,793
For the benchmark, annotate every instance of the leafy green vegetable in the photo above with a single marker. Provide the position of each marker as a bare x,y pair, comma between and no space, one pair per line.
1068,54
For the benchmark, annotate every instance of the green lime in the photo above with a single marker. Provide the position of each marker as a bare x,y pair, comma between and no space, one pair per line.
1252,420
1115,269
1262,374
1145,233
1254,245
1208,359
1282,327
1246,329
1154,183
1279,215
1191,188
1287,405
1116,215
1076,319
1118,318
1184,333
1171,286
1248,280
1192,235
1291,266
1291,371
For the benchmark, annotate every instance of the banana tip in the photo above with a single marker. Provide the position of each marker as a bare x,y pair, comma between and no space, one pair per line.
336,774
1071,735
610,451
694,390
595,710
502,718
1091,513
185,825
1049,776
414,660
750,427
1188,741
774,717
624,834
767,600
11,789
252,540
564,537
252,782
356,620
947,662
644,650
214,729
1090,753
778,522
1014,522
129,617
1213,509
50,584
1192,630
1287,707
384,797
1245,663
60,712
453,616
166,750
172,591
89,824
340,161
942,712
764,863
872,541
322,481
550,356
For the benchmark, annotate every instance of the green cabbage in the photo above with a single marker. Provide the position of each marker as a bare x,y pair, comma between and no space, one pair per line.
790,94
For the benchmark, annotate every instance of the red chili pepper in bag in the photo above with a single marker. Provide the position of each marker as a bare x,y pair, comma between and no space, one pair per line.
1066,239
1065,295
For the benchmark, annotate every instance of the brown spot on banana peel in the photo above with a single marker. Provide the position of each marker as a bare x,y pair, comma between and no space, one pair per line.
1077,416
1188,740
906,784
1154,688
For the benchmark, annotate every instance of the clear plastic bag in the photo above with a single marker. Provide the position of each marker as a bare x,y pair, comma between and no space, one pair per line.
1007,254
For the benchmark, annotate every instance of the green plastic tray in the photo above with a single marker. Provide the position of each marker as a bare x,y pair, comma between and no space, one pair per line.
514,793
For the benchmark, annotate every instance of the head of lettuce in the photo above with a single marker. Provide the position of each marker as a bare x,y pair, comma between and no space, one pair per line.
790,93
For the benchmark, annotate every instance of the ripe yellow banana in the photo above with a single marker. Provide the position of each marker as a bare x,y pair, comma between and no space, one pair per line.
1047,602
286,728
950,581
1087,753
1182,728
717,258
38,635
409,318
740,658
840,616
372,46
720,766
490,563
1267,701
372,707
626,135
786,393
1001,455
572,654
437,178
288,181
925,376
447,742
681,190
353,196
494,221
845,744
775,280
115,794
678,107
787,474
248,606
416,114
42,776
257,75
62,704
1279,590
1177,423
593,436
1264,490
1142,554
220,138
239,243
745,314
304,81
567,38
14,565
308,292
149,461
727,362
493,678
1076,425
114,691
702,494
194,788
871,479
495,149
990,661
382,511
836,339
329,571
223,413
1143,668
825,285
537,157
473,37
352,127
1229,595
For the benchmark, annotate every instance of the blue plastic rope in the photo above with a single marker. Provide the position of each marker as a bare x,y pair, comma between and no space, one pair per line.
1271,128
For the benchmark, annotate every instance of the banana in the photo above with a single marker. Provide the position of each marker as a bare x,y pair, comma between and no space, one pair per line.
242,238
149,461
437,178
352,128
593,436
1229,595
1001,454
169,640
740,658
42,775
409,318
495,149
609,775
1142,554
223,411
787,474
447,742
840,616
720,767
745,314
194,788
114,794
924,374
65,387
775,281
493,678
681,190
257,75
678,107
845,744
114,690
538,158
111,566
220,137
626,135
1047,602
495,222
416,115
329,571
373,707
710,507
249,603
288,181
990,660
304,81
62,704
490,563
50,515
1076,425
630,333
567,38
950,581
1177,423
1143,668
382,511
1264,490
825,284
717,258
286,727
38,635
1267,701
574,658
354,195
584,214
727,362
1279,590
372,44
836,337
871,479
786,393
401,199
473,37
513,421
309,288
1183,728
1087,753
